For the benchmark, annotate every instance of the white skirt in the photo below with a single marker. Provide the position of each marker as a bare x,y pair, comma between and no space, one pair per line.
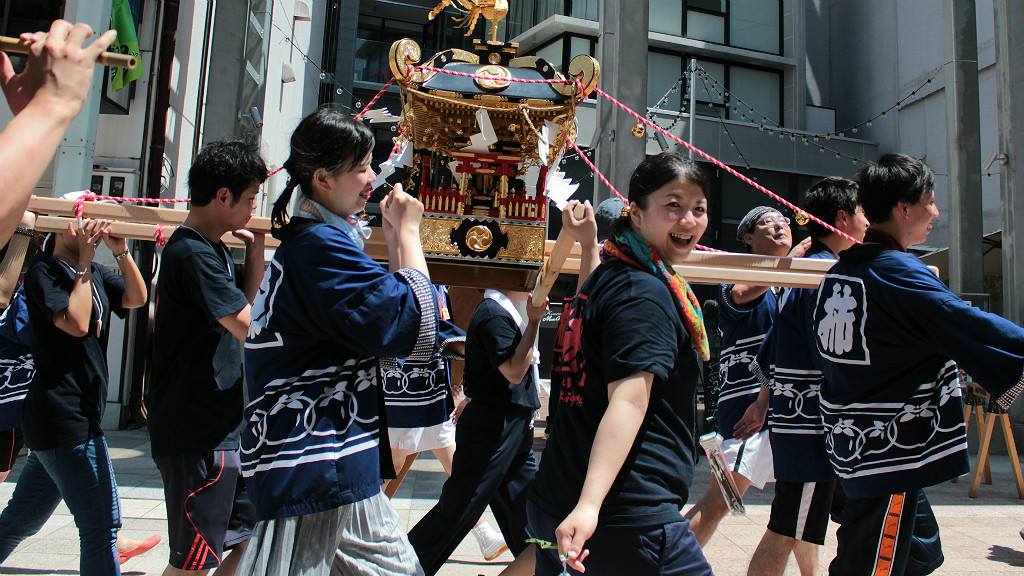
423,439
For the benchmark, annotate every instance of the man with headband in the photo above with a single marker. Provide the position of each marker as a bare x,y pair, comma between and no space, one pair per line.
747,313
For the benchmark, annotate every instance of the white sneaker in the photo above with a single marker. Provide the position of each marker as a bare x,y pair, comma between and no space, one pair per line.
491,543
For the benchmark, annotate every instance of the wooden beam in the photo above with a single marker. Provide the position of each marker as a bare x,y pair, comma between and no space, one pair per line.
125,212
139,223
133,230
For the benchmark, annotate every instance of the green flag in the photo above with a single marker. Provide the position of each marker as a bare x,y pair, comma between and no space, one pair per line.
127,42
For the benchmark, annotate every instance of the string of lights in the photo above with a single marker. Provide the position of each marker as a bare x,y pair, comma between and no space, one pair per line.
766,122
679,83
730,99
325,77
725,128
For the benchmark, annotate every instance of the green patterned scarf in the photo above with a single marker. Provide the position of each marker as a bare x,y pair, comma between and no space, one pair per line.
632,249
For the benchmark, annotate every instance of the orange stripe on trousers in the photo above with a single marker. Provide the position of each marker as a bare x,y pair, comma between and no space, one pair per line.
890,530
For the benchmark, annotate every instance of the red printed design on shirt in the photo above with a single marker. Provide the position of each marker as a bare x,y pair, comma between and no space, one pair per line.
569,361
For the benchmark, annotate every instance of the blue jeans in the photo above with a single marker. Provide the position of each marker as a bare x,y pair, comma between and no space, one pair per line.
83,477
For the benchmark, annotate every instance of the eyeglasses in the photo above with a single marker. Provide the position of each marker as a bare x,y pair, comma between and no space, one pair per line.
773,220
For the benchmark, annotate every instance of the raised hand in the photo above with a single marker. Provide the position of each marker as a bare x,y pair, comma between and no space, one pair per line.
800,249
401,210
87,234
536,313
582,230
59,69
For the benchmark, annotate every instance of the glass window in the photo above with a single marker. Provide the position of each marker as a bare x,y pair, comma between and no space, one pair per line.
553,54
666,16
710,5
738,197
759,89
17,17
587,9
754,24
578,45
707,27
662,72
706,89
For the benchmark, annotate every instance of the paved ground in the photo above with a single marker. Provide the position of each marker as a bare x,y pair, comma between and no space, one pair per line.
979,536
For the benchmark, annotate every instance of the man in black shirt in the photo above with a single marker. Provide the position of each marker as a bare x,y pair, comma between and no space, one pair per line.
494,461
195,401
69,300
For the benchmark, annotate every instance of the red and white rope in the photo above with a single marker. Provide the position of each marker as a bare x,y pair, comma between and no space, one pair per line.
374,99
653,125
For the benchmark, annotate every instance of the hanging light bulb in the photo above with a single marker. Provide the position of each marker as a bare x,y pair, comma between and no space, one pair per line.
854,130
838,155
868,124
323,76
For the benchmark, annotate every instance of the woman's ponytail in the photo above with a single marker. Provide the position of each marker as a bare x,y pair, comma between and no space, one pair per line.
279,214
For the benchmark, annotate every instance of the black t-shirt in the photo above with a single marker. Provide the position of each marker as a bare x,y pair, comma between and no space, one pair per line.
492,339
622,322
65,401
195,399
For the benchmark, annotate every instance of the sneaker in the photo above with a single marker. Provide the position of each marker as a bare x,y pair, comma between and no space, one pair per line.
490,541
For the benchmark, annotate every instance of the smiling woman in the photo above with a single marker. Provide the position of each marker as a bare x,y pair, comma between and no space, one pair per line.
325,316
668,205
630,358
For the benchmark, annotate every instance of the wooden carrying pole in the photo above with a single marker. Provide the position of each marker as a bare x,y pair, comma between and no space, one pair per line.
556,256
140,223
134,230
16,46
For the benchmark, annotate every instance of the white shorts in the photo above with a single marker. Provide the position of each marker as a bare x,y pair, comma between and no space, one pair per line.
422,439
755,458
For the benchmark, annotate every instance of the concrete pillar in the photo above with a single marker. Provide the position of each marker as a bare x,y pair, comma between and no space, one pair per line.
623,57
73,162
1009,16
963,126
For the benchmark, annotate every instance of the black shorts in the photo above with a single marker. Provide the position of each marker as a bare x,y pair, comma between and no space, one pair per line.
10,445
894,535
801,509
208,511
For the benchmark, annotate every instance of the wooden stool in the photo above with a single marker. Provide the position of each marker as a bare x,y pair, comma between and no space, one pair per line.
975,398
993,413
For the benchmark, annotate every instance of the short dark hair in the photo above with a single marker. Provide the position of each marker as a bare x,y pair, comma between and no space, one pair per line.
894,178
825,198
656,171
660,169
232,164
